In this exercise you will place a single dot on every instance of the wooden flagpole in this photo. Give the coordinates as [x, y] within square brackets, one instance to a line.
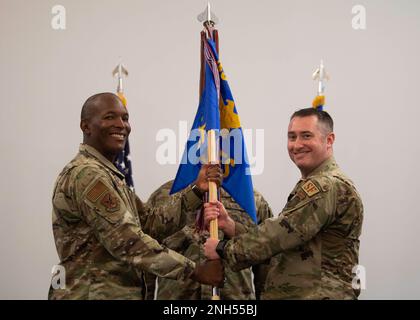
[212, 146]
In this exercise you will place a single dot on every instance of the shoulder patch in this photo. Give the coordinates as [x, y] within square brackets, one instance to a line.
[310, 188]
[110, 202]
[97, 190]
[301, 195]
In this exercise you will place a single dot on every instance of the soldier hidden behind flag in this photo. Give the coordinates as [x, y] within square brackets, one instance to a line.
[221, 116]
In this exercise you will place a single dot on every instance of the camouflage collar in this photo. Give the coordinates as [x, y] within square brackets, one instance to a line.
[84, 148]
[328, 165]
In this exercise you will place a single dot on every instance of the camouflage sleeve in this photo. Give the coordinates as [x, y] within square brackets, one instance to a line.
[118, 231]
[296, 224]
[240, 228]
[166, 214]
[260, 270]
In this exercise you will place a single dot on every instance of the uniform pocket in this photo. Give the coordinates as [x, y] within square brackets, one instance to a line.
[289, 209]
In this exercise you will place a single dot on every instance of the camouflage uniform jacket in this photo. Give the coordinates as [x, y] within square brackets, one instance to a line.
[314, 240]
[238, 285]
[99, 228]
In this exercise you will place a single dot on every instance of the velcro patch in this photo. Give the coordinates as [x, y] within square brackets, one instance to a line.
[97, 190]
[110, 202]
[301, 195]
[310, 188]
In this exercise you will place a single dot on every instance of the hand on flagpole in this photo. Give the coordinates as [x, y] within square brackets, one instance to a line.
[210, 272]
[209, 173]
[216, 210]
[210, 249]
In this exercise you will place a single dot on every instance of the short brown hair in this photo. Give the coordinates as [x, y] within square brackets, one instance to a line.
[323, 117]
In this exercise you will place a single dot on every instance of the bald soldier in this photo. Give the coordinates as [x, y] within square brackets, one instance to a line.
[100, 226]
[314, 241]
[239, 285]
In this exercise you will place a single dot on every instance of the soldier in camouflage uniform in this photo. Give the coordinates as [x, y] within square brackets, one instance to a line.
[99, 224]
[187, 241]
[314, 241]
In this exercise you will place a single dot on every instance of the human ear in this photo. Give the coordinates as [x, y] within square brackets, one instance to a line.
[330, 139]
[84, 125]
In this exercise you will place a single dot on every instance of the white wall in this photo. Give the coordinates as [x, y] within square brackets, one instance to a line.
[269, 50]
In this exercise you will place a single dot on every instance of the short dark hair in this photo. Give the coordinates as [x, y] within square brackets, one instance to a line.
[90, 104]
[323, 117]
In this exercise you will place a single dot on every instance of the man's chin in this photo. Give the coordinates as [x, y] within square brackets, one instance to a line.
[117, 149]
[302, 166]
[300, 163]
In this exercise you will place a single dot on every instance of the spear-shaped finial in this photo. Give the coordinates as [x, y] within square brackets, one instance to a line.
[119, 72]
[207, 16]
[321, 75]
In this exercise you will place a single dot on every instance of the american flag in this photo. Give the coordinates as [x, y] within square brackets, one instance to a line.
[123, 162]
